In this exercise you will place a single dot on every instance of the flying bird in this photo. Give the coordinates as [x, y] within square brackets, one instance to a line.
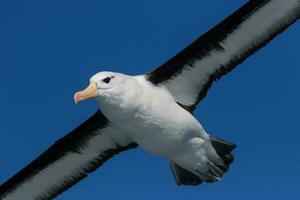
[155, 111]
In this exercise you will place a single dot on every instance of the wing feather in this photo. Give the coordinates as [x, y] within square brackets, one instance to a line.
[189, 74]
[67, 162]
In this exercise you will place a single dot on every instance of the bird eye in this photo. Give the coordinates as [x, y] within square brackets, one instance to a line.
[107, 79]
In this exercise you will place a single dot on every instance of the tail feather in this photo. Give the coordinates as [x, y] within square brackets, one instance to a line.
[222, 146]
[184, 177]
[223, 149]
[215, 172]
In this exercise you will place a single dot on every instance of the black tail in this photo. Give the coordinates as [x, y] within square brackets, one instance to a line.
[223, 149]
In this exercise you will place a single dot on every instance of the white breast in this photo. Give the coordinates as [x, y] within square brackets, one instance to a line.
[154, 120]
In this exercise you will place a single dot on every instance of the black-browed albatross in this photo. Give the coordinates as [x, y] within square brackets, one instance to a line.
[154, 110]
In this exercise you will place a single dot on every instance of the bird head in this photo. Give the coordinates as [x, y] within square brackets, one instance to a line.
[105, 86]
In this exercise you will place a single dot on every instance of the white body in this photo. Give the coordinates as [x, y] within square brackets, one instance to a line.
[159, 125]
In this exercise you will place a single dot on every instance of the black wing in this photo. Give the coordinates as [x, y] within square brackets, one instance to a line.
[67, 162]
[189, 74]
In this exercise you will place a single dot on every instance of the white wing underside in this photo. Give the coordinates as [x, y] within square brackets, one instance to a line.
[224, 47]
[68, 161]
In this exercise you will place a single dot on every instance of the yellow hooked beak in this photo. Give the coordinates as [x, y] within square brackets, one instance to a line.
[88, 93]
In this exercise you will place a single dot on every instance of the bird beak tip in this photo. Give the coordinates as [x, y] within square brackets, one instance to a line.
[76, 98]
[88, 93]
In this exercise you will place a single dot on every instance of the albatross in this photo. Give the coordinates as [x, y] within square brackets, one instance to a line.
[155, 110]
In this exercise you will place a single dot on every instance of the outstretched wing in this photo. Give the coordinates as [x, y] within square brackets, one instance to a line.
[67, 162]
[189, 74]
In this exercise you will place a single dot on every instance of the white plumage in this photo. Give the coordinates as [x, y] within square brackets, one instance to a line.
[159, 125]
[155, 110]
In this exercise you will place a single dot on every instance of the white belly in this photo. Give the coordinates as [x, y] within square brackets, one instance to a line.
[153, 119]
[159, 128]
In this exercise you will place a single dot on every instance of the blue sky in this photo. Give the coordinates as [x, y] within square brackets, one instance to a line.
[49, 49]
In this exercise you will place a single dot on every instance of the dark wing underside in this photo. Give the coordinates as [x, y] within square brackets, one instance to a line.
[67, 162]
[189, 74]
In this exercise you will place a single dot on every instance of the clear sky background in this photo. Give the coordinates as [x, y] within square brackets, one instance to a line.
[49, 50]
